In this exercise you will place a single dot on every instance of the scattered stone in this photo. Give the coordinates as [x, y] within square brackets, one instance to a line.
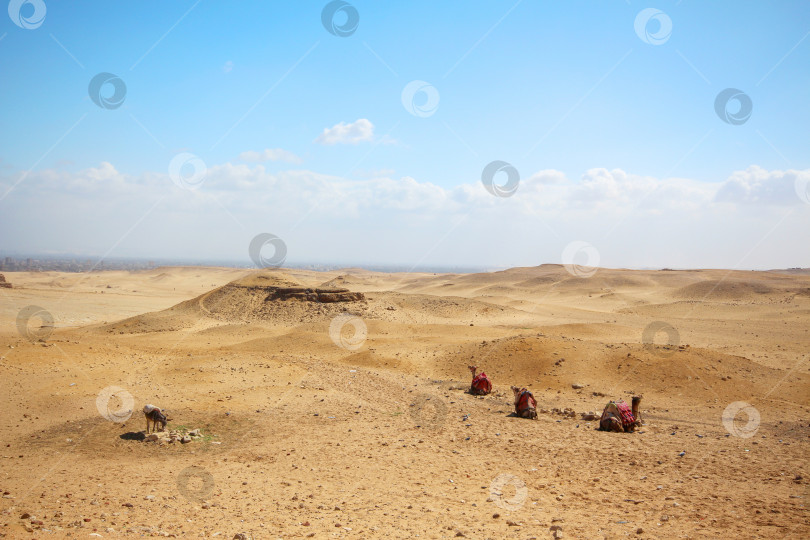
[577, 386]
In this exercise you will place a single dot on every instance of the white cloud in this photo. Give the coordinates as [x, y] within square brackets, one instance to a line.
[343, 133]
[755, 185]
[546, 176]
[227, 67]
[270, 154]
[632, 220]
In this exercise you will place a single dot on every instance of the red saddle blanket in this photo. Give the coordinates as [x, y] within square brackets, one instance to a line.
[526, 401]
[482, 383]
[625, 412]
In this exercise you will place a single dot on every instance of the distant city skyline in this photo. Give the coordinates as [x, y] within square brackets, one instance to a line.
[409, 135]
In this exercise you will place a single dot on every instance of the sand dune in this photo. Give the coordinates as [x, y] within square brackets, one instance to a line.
[362, 429]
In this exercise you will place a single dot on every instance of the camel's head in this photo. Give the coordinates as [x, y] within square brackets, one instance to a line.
[516, 391]
[473, 369]
[635, 405]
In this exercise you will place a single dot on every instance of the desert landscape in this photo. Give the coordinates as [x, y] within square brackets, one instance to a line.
[336, 405]
[413, 270]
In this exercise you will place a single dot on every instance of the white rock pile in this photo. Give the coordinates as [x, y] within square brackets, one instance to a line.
[173, 436]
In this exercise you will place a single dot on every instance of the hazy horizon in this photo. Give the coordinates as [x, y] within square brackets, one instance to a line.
[326, 266]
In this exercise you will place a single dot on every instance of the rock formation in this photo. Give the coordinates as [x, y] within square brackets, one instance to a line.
[324, 296]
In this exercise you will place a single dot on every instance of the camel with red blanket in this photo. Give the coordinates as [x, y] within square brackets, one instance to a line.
[619, 417]
[525, 404]
[481, 385]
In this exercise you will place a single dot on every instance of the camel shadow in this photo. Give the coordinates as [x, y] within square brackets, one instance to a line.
[133, 436]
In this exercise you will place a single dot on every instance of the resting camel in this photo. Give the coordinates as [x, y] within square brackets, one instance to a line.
[525, 404]
[619, 418]
[154, 416]
[481, 385]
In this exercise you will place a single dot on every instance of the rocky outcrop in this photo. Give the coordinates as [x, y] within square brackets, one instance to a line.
[3, 283]
[324, 296]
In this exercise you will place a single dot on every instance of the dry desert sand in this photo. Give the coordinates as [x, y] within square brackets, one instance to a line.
[312, 433]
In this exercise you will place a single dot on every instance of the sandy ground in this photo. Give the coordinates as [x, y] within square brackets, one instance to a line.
[351, 420]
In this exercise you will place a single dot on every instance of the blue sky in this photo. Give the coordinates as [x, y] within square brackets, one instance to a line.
[545, 86]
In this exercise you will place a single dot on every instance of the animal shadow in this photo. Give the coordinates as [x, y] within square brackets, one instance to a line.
[133, 436]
